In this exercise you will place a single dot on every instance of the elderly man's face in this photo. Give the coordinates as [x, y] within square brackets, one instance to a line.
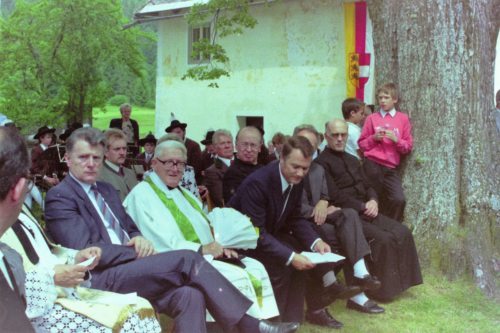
[248, 146]
[85, 161]
[224, 147]
[336, 136]
[169, 166]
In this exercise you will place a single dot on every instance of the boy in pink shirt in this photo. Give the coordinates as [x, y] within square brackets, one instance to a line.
[386, 135]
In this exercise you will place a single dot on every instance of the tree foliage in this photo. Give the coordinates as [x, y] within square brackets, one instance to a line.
[54, 55]
[226, 17]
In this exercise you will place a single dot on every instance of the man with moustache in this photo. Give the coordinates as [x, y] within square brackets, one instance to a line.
[114, 172]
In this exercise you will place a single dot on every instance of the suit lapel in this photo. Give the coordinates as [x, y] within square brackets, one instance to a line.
[91, 210]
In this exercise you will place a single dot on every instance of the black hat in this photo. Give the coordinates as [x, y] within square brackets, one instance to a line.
[149, 138]
[67, 132]
[174, 124]
[208, 138]
[43, 130]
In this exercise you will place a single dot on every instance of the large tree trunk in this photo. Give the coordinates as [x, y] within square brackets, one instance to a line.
[441, 54]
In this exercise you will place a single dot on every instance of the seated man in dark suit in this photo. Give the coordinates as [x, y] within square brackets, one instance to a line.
[81, 212]
[341, 227]
[129, 126]
[14, 170]
[248, 146]
[271, 198]
[214, 175]
[394, 259]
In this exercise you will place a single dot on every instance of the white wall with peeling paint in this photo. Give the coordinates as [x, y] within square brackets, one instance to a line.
[289, 69]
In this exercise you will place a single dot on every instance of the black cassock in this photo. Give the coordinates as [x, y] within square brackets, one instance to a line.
[394, 258]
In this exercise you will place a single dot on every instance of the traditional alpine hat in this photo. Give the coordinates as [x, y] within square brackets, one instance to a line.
[174, 123]
[43, 130]
[67, 132]
[208, 138]
[149, 138]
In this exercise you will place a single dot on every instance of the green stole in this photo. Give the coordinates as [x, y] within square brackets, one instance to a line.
[187, 229]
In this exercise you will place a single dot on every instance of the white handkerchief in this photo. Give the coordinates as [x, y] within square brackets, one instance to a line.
[318, 258]
[87, 262]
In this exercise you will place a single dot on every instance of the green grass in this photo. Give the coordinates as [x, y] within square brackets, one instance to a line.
[144, 116]
[436, 306]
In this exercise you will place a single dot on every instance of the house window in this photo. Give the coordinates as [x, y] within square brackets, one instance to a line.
[196, 34]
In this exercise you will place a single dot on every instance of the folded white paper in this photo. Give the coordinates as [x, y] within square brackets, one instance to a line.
[318, 258]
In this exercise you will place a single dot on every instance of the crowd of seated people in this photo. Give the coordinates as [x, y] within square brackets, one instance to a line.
[131, 234]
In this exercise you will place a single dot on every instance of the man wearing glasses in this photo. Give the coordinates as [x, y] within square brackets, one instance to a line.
[248, 143]
[82, 212]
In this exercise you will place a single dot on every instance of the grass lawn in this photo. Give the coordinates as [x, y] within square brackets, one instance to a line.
[435, 306]
[144, 116]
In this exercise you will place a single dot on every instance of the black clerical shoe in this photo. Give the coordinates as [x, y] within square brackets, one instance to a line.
[323, 318]
[367, 282]
[339, 291]
[270, 327]
[369, 307]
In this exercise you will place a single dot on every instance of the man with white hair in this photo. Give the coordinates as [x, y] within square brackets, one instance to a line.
[173, 219]
[214, 175]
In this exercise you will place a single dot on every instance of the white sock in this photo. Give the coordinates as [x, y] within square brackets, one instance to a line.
[360, 299]
[329, 279]
[360, 268]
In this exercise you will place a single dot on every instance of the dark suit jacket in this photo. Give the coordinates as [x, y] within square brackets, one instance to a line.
[37, 163]
[260, 198]
[12, 301]
[73, 221]
[315, 189]
[141, 158]
[117, 123]
[234, 176]
[346, 185]
[213, 181]
[194, 157]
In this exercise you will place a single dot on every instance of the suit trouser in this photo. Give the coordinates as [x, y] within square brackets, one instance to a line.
[387, 183]
[343, 231]
[292, 286]
[180, 284]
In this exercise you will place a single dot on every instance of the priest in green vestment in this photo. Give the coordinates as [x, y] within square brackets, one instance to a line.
[172, 219]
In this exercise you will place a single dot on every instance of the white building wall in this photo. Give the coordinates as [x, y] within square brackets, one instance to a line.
[290, 69]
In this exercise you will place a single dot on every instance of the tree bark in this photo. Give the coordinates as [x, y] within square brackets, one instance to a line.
[441, 54]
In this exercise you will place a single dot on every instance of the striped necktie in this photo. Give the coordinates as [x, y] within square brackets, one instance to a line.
[109, 217]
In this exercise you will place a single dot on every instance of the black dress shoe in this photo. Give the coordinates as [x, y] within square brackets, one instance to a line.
[337, 290]
[323, 318]
[369, 307]
[270, 327]
[368, 282]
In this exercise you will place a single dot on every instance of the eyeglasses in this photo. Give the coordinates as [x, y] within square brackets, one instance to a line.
[30, 182]
[169, 164]
[248, 145]
[335, 135]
